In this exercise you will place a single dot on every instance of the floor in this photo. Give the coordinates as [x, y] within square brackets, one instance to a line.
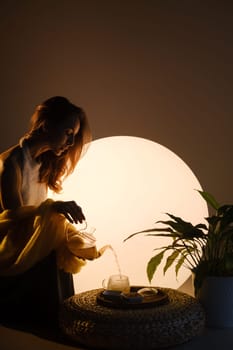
[13, 339]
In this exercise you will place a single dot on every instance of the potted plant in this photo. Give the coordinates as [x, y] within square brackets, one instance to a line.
[205, 249]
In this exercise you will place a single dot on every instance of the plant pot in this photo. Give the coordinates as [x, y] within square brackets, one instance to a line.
[216, 297]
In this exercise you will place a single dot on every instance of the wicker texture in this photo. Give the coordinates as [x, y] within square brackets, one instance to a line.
[100, 327]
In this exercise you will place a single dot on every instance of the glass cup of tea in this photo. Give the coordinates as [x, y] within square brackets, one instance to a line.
[117, 283]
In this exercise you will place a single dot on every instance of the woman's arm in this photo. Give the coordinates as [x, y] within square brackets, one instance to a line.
[11, 180]
[10, 193]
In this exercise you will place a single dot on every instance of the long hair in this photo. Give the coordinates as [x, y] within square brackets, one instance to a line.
[55, 168]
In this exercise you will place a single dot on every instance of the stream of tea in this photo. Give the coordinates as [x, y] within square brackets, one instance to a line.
[116, 259]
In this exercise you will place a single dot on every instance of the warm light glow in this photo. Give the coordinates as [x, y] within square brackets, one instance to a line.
[124, 184]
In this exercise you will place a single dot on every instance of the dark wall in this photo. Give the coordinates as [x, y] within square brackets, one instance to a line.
[161, 70]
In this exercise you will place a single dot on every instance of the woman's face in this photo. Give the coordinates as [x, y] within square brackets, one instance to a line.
[62, 135]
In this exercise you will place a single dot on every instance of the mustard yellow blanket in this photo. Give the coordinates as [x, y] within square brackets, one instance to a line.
[28, 234]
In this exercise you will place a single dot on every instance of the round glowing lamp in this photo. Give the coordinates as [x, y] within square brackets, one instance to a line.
[125, 184]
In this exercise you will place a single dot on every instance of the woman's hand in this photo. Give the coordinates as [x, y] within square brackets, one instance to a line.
[70, 210]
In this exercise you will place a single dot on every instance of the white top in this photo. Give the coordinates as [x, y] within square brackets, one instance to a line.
[33, 192]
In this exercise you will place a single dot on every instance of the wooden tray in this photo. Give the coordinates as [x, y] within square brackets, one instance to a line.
[120, 302]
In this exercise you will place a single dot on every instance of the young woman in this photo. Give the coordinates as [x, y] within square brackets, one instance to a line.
[39, 246]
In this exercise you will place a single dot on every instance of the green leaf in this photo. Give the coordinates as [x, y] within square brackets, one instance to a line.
[147, 231]
[226, 214]
[183, 228]
[170, 260]
[209, 198]
[153, 264]
[172, 234]
[179, 264]
[202, 226]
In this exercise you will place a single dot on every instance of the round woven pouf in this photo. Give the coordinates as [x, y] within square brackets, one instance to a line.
[98, 326]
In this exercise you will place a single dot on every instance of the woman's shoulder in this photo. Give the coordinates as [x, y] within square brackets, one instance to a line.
[12, 156]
